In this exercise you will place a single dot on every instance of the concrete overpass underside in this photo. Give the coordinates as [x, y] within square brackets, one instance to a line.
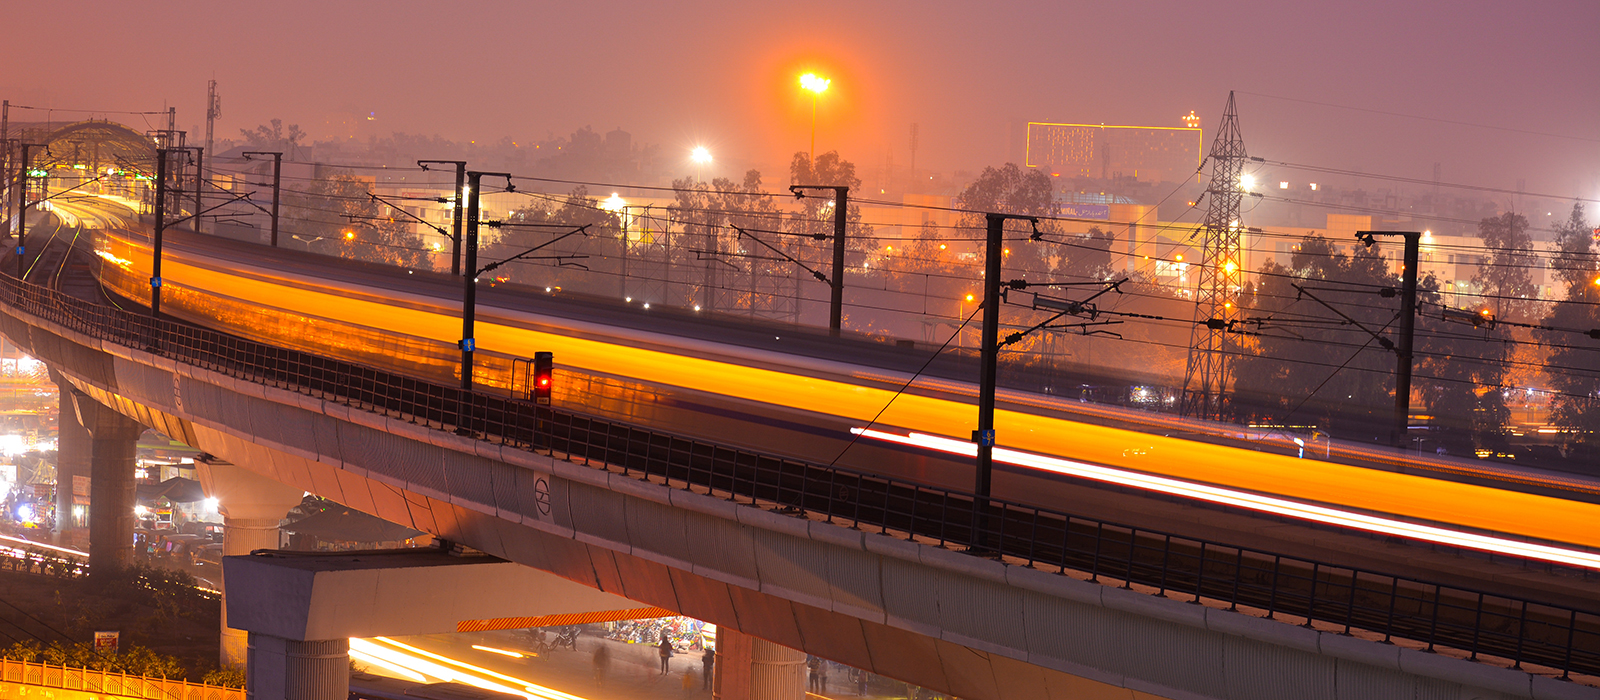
[967, 626]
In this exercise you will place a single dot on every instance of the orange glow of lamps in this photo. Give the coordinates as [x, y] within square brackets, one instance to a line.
[817, 86]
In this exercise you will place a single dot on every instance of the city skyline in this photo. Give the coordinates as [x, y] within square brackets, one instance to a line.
[1321, 86]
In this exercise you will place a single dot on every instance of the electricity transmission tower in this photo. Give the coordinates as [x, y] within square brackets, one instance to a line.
[1217, 278]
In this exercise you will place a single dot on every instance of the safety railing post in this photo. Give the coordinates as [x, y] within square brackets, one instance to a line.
[1350, 612]
[1394, 597]
[1433, 624]
[1311, 605]
[1566, 665]
[911, 530]
[1166, 563]
[833, 493]
[1272, 599]
[1200, 573]
[1522, 633]
[1477, 627]
[1033, 538]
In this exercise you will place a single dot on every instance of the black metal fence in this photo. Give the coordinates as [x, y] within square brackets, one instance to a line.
[1274, 585]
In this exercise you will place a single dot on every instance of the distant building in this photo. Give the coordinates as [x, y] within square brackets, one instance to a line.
[1145, 153]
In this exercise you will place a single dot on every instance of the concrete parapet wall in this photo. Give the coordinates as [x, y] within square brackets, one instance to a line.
[968, 626]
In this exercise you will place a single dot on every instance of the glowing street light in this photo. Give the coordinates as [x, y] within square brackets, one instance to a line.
[1247, 182]
[817, 86]
[700, 156]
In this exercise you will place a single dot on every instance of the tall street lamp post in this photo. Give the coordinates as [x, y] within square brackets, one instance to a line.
[701, 157]
[817, 86]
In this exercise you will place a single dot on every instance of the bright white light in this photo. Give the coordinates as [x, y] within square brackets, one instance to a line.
[501, 652]
[628, 299]
[1247, 182]
[1247, 500]
[811, 82]
[1283, 185]
[211, 505]
[696, 307]
[25, 513]
[700, 155]
[141, 511]
[31, 543]
[529, 690]
[366, 658]
[415, 665]
[647, 305]
[614, 203]
[12, 445]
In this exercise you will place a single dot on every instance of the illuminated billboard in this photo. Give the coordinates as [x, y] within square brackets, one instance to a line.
[1146, 153]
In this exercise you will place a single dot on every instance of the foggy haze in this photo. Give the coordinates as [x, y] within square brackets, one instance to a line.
[971, 75]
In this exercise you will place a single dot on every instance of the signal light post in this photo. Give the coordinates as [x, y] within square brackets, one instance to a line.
[543, 377]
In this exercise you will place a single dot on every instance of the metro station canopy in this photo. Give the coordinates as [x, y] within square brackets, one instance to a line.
[94, 145]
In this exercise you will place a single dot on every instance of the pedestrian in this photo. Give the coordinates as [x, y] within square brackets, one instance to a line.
[666, 651]
[861, 682]
[822, 677]
[707, 661]
[811, 676]
[602, 663]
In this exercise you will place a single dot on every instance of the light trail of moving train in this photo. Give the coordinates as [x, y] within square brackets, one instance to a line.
[843, 396]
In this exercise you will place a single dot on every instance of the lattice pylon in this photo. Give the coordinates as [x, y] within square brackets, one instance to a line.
[1217, 278]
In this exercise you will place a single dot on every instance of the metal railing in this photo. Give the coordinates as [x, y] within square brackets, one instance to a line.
[111, 683]
[1274, 585]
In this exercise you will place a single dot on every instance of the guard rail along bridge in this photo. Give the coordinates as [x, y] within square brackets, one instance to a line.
[980, 598]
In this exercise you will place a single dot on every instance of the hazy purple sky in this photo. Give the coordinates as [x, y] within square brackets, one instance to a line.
[723, 74]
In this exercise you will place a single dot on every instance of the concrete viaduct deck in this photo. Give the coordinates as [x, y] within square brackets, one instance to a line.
[880, 598]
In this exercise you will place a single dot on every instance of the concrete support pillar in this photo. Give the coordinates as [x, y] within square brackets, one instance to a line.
[754, 668]
[74, 446]
[285, 669]
[252, 506]
[243, 536]
[113, 447]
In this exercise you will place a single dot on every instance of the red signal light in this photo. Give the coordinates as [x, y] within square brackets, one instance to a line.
[543, 373]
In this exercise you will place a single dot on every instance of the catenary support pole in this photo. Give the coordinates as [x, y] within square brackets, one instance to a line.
[469, 290]
[277, 182]
[457, 198]
[160, 227]
[469, 283]
[22, 209]
[841, 218]
[989, 353]
[199, 179]
[1408, 325]
[841, 209]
